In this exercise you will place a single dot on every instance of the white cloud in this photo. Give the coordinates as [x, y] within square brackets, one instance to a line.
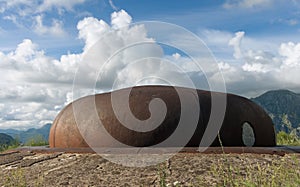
[224, 66]
[111, 3]
[176, 56]
[27, 7]
[255, 67]
[13, 19]
[91, 29]
[56, 29]
[112, 41]
[120, 19]
[23, 12]
[60, 5]
[6, 5]
[260, 61]
[291, 52]
[13, 3]
[35, 87]
[290, 67]
[235, 43]
[39, 85]
[247, 3]
[258, 65]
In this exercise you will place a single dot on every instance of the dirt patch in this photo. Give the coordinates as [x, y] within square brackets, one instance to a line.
[184, 169]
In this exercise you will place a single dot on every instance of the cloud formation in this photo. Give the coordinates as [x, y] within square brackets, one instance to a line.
[56, 29]
[35, 84]
[25, 7]
[236, 42]
[111, 3]
[35, 87]
[29, 14]
[246, 3]
[58, 4]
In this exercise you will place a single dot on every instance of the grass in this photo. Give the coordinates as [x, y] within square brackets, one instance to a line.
[17, 178]
[241, 170]
[283, 171]
[284, 138]
[162, 175]
[275, 173]
[280, 171]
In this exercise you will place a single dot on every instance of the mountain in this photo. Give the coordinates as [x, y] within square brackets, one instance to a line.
[25, 136]
[5, 139]
[283, 106]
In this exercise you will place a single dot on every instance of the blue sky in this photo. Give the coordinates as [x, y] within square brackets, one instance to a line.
[255, 43]
[266, 19]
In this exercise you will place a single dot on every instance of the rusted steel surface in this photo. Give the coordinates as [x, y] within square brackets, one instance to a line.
[85, 113]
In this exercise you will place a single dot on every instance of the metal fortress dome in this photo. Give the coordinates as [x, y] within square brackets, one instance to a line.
[245, 123]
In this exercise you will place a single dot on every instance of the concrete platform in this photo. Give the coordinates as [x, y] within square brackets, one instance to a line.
[278, 150]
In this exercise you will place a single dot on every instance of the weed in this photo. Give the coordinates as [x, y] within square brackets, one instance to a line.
[277, 172]
[16, 178]
[162, 175]
[284, 138]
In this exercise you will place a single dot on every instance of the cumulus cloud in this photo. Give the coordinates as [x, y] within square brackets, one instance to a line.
[39, 85]
[120, 19]
[258, 71]
[290, 67]
[260, 61]
[35, 87]
[115, 55]
[111, 48]
[91, 29]
[291, 52]
[235, 43]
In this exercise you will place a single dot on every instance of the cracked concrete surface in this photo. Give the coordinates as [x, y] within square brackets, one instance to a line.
[74, 169]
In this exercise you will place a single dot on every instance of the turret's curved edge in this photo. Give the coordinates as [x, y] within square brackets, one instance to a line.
[245, 123]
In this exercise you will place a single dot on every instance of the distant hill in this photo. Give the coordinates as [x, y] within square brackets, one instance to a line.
[283, 106]
[5, 139]
[24, 136]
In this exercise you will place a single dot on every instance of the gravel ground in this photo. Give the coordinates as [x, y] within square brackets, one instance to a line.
[183, 169]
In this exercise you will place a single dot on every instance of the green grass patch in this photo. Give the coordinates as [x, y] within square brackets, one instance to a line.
[284, 138]
[281, 172]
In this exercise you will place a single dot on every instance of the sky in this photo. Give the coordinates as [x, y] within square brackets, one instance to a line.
[54, 51]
